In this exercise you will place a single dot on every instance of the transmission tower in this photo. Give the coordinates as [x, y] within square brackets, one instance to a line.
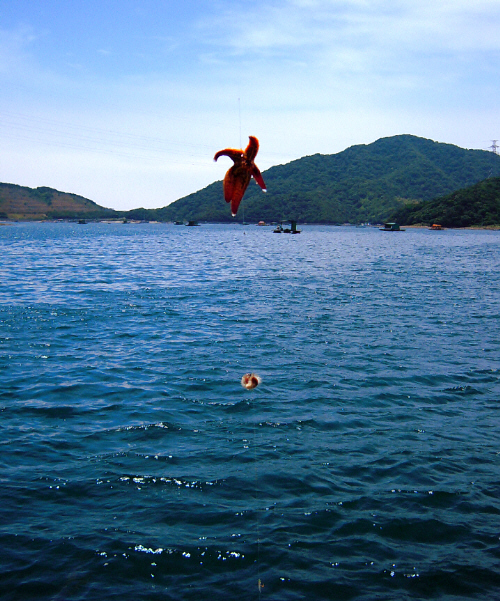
[494, 146]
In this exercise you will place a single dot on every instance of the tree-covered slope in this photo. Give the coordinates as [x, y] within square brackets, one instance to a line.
[21, 202]
[362, 183]
[475, 205]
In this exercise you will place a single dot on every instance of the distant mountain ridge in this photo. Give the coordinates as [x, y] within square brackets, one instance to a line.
[21, 202]
[361, 183]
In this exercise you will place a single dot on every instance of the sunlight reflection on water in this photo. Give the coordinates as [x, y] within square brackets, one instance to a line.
[365, 464]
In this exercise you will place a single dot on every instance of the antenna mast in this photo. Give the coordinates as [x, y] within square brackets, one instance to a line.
[494, 146]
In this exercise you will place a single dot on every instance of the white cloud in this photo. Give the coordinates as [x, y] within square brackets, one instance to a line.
[316, 26]
[13, 48]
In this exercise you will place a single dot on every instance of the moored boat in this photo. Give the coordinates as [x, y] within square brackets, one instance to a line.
[293, 228]
[390, 227]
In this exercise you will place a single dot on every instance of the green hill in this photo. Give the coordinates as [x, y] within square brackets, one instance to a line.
[475, 205]
[21, 202]
[362, 183]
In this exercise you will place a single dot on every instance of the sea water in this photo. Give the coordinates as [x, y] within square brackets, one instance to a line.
[135, 466]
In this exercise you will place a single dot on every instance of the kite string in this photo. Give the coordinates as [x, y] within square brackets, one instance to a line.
[260, 586]
[241, 146]
[239, 116]
[257, 501]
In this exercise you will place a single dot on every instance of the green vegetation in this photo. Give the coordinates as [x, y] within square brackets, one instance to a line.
[477, 205]
[372, 182]
[362, 183]
[21, 202]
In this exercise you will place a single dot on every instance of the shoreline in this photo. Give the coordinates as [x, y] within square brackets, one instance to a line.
[469, 227]
[120, 220]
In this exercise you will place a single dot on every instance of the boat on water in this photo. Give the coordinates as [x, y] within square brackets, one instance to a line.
[192, 223]
[287, 230]
[293, 228]
[390, 227]
[436, 226]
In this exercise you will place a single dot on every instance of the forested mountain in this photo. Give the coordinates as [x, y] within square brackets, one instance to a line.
[21, 202]
[362, 183]
[476, 205]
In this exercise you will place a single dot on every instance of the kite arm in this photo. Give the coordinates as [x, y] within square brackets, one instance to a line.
[233, 153]
[252, 149]
[258, 178]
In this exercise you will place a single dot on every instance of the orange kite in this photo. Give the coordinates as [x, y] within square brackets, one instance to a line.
[238, 177]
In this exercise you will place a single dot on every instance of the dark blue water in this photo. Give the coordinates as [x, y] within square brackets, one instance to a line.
[134, 465]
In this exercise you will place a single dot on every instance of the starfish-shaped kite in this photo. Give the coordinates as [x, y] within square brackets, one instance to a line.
[238, 177]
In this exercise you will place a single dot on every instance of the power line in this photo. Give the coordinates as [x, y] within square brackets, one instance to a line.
[120, 143]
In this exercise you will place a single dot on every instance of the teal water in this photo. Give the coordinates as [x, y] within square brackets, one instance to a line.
[133, 465]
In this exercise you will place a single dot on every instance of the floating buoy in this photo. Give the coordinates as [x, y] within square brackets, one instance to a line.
[250, 381]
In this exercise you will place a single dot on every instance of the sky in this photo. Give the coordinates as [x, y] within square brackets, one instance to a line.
[125, 102]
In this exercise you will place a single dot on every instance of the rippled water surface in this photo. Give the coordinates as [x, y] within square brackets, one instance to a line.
[135, 466]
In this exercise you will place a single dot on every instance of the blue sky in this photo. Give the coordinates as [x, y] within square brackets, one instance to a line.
[125, 102]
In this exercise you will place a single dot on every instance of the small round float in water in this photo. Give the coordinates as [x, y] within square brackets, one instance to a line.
[250, 381]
